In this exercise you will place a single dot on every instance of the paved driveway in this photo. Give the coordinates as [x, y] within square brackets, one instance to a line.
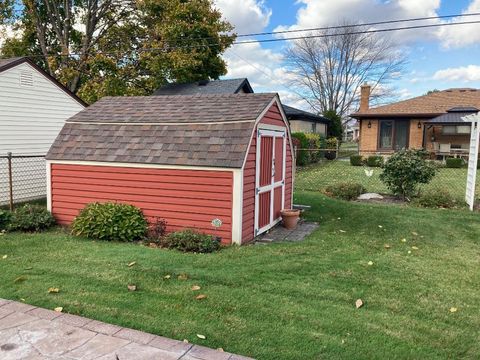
[32, 333]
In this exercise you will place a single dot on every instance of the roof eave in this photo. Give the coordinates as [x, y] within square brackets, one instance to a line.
[47, 75]
[361, 116]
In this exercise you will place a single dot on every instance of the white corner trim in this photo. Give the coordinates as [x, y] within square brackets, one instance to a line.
[237, 207]
[138, 165]
[49, 186]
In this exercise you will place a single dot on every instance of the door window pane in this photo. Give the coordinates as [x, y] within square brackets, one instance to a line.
[401, 135]
[386, 132]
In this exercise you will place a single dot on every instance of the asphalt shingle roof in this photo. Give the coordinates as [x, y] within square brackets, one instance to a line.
[435, 103]
[294, 113]
[226, 86]
[6, 62]
[201, 130]
[454, 115]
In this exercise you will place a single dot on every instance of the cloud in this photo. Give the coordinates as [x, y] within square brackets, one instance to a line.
[461, 35]
[319, 13]
[464, 74]
[247, 16]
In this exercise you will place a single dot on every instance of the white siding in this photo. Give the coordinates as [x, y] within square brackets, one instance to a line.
[33, 109]
[31, 116]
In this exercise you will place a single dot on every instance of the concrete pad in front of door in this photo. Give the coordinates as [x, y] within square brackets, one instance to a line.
[31, 333]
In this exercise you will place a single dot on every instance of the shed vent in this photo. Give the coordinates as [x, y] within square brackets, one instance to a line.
[26, 78]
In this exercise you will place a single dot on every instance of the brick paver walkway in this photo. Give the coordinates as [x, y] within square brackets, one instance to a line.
[279, 233]
[32, 333]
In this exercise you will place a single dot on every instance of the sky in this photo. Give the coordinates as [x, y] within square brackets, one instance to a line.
[438, 58]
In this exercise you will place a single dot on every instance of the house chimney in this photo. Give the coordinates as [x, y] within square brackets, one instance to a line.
[364, 97]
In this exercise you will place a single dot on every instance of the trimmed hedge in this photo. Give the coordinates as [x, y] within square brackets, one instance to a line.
[455, 163]
[356, 160]
[375, 161]
[345, 191]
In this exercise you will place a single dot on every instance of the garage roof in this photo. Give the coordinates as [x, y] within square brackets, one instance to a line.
[200, 130]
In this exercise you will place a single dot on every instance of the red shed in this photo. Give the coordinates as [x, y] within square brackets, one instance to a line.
[186, 159]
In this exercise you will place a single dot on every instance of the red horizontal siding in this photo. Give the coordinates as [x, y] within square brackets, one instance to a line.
[272, 117]
[184, 198]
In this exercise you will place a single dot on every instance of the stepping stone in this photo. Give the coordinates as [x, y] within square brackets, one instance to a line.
[370, 196]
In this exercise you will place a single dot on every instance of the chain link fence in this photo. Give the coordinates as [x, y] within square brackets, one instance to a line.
[323, 173]
[22, 178]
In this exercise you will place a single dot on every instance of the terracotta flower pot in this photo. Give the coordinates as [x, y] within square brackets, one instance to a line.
[290, 218]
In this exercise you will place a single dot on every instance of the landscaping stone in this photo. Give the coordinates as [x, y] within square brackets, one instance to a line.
[28, 332]
[370, 196]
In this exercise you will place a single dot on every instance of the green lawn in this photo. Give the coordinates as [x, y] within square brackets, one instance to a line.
[280, 301]
[318, 176]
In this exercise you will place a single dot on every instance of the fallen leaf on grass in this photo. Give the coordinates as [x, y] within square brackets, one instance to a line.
[200, 336]
[20, 279]
[182, 277]
[414, 248]
[409, 251]
[201, 297]
[342, 231]
[220, 349]
[358, 303]
[386, 246]
[58, 309]
[22, 299]
[167, 277]
[185, 341]
[53, 290]
[29, 268]
[4, 256]
[195, 287]
[131, 264]
[132, 287]
[370, 263]
[403, 240]
[453, 309]
[414, 233]
[380, 226]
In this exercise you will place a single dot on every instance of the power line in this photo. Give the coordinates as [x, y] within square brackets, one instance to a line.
[356, 32]
[359, 25]
[167, 48]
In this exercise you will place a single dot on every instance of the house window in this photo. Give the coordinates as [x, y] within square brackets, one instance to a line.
[314, 127]
[455, 129]
[393, 135]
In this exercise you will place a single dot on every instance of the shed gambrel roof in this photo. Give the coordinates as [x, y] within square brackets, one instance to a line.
[200, 130]
[225, 86]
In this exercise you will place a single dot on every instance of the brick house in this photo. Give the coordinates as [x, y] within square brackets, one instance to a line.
[433, 122]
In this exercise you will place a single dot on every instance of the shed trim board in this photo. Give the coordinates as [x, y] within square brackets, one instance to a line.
[236, 228]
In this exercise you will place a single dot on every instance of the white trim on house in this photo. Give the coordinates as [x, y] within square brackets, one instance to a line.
[49, 186]
[139, 165]
[237, 207]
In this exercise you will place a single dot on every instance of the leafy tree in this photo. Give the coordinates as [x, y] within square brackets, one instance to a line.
[405, 170]
[118, 47]
[335, 128]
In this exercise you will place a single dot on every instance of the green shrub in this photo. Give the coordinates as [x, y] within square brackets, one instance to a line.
[375, 161]
[345, 191]
[5, 218]
[300, 141]
[405, 170]
[191, 241]
[331, 143]
[31, 218]
[438, 198]
[110, 221]
[454, 163]
[356, 160]
[315, 141]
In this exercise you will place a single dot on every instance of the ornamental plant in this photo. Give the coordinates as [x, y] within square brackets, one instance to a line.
[110, 221]
[405, 170]
[31, 218]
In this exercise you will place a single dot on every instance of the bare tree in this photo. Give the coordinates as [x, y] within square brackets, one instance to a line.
[329, 67]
